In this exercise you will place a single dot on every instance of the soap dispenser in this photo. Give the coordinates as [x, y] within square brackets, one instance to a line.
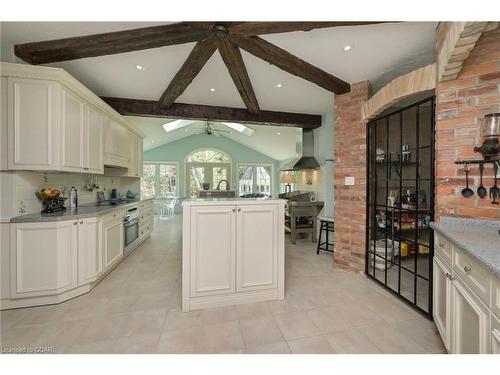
[73, 199]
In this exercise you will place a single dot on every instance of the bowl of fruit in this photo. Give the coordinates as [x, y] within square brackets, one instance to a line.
[48, 193]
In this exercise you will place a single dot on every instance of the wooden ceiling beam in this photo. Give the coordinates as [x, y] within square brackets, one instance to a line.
[150, 108]
[189, 70]
[289, 63]
[261, 28]
[231, 56]
[110, 43]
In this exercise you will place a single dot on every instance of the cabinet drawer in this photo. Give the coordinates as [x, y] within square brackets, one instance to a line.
[443, 248]
[495, 295]
[495, 335]
[474, 275]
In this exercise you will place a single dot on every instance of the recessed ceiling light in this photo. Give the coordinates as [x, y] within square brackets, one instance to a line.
[278, 133]
[212, 89]
[139, 67]
[279, 85]
[347, 48]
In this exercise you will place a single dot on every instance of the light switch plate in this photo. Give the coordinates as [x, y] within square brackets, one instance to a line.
[349, 181]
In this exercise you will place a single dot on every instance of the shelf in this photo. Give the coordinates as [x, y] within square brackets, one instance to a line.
[478, 161]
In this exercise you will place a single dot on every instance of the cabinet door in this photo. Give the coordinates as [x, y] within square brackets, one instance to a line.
[73, 133]
[442, 300]
[212, 250]
[133, 155]
[113, 242]
[33, 124]
[140, 156]
[94, 150]
[90, 256]
[495, 335]
[470, 322]
[43, 258]
[257, 247]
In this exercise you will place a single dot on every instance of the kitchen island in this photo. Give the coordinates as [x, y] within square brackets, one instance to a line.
[232, 251]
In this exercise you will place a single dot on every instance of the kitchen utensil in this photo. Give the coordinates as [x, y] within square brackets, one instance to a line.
[466, 191]
[495, 190]
[481, 190]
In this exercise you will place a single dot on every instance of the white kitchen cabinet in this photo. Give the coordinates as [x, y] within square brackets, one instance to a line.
[94, 145]
[257, 247]
[90, 250]
[3, 123]
[116, 144]
[33, 124]
[213, 240]
[43, 258]
[73, 132]
[495, 335]
[135, 163]
[470, 321]
[113, 240]
[233, 252]
[442, 299]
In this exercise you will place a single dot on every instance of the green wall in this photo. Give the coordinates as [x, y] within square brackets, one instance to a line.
[178, 150]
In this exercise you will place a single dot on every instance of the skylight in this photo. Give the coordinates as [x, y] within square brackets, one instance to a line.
[239, 128]
[176, 124]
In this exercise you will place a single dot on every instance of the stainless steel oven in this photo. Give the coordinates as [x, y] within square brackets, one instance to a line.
[131, 229]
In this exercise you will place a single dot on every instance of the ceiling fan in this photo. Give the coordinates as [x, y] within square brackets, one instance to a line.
[227, 37]
[209, 127]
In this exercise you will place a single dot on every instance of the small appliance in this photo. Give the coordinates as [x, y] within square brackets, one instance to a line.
[131, 229]
[114, 196]
[490, 132]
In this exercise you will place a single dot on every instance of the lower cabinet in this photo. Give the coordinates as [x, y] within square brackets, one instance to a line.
[213, 240]
[442, 299]
[90, 254]
[463, 307]
[470, 322]
[113, 240]
[43, 258]
[256, 247]
[232, 253]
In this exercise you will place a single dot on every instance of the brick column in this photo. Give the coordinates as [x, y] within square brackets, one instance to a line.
[460, 104]
[350, 160]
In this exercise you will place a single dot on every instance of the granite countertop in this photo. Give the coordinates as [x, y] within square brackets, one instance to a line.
[226, 201]
[479, 238]
[82, 212]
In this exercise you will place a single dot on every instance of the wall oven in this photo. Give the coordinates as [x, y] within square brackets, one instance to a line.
[131, 229]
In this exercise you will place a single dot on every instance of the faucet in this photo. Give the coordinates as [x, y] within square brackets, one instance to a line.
[227, 185]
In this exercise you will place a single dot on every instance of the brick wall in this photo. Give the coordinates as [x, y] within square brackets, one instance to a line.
[350, 160]
[460, 103]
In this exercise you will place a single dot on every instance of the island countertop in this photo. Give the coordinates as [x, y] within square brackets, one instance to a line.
[82, 212]
[229, 201]
[480, 238]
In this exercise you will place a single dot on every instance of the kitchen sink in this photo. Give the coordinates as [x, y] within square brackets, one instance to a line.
[216, 194]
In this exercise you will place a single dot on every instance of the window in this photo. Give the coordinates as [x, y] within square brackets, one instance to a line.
[207, 167]
[159, 179]
[255, 179]
[293, 185]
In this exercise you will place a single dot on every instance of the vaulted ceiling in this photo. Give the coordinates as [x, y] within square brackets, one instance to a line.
[379, 53]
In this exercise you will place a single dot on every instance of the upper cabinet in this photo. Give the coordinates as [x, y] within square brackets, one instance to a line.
[116, 144]
[33, 108]
[51, 122]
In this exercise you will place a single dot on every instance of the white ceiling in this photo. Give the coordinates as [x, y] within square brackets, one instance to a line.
[265, 139]
[379, 54]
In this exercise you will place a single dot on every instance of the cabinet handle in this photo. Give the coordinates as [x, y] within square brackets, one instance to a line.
[467, 269]
[76, 222]
[239, 209]
[81, 222]
[234, 209]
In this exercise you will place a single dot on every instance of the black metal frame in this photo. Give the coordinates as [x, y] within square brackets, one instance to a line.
[373, 207]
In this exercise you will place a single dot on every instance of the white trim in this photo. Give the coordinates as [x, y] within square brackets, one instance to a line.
[255, 165]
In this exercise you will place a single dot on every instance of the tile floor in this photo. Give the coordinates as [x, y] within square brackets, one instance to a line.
[136, 309]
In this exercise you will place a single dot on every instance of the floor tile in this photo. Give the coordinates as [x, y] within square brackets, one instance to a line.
[296, 325]
[260, 331]
[311, 345]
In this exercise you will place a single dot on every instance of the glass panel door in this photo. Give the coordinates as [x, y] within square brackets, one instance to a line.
[400, 206]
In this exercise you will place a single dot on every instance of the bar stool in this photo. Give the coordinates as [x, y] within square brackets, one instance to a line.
[327, 225]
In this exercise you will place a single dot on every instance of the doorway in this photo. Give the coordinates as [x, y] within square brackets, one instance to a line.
[400, 203]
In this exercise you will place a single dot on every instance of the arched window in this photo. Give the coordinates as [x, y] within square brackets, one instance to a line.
[206, 168]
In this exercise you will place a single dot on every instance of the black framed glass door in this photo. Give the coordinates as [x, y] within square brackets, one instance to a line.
[400, 203]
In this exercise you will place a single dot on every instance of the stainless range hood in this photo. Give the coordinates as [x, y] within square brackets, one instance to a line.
[307, 161]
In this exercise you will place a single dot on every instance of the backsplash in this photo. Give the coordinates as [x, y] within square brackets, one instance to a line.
[25, 183]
